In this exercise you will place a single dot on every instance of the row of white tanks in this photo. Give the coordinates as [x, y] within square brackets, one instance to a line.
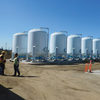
[35, 45]
[73, 45]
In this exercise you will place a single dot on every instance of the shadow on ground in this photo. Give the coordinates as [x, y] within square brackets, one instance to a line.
[22, 76]
[6, 94]
[29, 76]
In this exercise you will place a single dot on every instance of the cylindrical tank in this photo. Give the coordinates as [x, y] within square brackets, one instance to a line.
[19, 45]
[74, 45]
[58, 44]
[96, 48]
[86, 47]
[37, 44]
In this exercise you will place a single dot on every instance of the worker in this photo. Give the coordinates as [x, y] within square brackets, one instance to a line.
[3, 61]
[16, 65]
[1, 64]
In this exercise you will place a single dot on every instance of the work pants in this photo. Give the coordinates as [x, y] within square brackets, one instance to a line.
[16, 70]
[2, 67]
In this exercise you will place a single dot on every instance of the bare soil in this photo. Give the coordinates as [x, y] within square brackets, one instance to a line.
[50, 82]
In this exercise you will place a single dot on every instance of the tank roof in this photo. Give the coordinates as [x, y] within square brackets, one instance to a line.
[19, 34]
[33, 30]
[74, 35]
[86, 38]
[58, 33]
[97, 39]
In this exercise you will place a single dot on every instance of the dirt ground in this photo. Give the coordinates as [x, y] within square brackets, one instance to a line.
[50, 82]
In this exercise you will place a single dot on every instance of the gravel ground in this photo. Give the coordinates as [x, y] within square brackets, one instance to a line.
[50, 82]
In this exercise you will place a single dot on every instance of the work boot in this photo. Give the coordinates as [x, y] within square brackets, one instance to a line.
[14, 75]
[19, 75]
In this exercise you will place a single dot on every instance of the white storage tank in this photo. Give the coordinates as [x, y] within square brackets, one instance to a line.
[58, 44]
[19, 45]
[74, 45]
[87, 46]
[37, 44]
[96, 48]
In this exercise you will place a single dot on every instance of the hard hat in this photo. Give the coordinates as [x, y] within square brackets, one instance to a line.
[3, 52]
[1, 55]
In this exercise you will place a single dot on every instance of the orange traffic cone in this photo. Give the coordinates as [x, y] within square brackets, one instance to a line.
[90, 66]
[90, 61]
[86, 67]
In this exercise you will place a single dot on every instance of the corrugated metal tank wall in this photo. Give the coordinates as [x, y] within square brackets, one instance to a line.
[96, 47]
[74, 45]
[58, 44]
[19, 44]
[86, 46]
[37, 43]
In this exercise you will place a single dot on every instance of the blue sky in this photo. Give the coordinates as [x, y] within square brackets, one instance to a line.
[74, 16]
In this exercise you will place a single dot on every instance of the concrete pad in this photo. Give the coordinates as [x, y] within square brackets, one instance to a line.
[97, 72]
